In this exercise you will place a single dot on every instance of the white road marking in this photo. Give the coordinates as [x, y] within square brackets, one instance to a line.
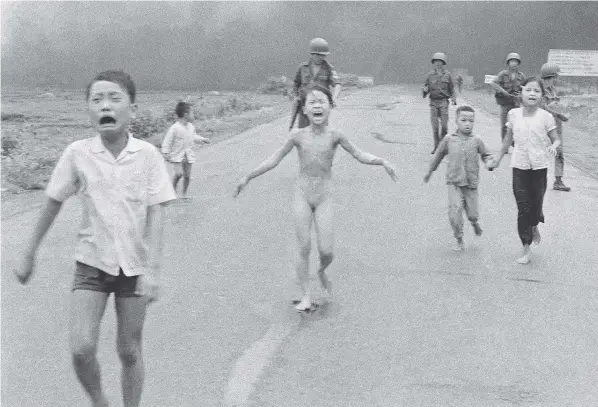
[250, 366]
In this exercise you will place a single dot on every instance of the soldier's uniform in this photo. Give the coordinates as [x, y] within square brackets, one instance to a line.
[551, 101]
[439, 86]
[325, 76]
[509, 80]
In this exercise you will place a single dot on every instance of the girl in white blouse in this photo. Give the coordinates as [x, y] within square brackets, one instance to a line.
[535, 135]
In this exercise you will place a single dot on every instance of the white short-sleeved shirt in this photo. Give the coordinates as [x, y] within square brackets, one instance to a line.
[178, 143]
[115, 193]
[530, 134]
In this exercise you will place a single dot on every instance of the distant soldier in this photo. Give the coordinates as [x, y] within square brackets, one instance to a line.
[460, 82]
[315, 71]
[550, 103]
[439, 85]
[507, 85]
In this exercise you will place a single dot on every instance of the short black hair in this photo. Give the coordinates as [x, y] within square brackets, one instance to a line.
[314, 87]
[182, 108]
[121, 78]
[464, 109]
[534, 79]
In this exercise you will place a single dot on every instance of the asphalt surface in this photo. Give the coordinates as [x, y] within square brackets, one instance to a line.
[412, 323]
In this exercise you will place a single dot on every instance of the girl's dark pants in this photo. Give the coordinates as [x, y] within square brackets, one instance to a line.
[529, 187]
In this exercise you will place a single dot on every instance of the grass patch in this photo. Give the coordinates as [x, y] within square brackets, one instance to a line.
[9, 144]
[29, 172]
[13, 117]
[34, 138]
[276, 85]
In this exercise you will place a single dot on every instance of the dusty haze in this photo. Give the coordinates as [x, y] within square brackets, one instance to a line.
[218, 45]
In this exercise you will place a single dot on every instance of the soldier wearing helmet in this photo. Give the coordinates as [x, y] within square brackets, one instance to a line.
[507, 85]
[550, 102]
[439, 85]
[315, 71]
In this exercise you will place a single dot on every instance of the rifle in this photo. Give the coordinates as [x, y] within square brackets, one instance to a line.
[295, 110]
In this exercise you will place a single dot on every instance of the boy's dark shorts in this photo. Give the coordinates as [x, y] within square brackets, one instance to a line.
[93, 279]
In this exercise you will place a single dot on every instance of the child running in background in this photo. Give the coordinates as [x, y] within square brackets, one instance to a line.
[462, 173]
[177, 146]
[316, 146]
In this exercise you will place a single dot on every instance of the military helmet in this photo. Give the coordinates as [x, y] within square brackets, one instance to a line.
[549, 69]
[439, 56]
[319, 46]
[513, 55]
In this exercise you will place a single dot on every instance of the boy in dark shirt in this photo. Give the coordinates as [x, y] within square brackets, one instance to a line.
[462, 173]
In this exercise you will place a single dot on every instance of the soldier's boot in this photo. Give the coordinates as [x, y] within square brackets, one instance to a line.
[560, 186]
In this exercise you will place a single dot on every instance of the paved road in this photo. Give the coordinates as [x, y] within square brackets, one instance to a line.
[413, 324]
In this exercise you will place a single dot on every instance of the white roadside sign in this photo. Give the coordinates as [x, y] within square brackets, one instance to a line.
[489, 79]
[575, 62]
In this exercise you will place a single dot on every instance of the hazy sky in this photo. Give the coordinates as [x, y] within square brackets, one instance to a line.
[212, 45]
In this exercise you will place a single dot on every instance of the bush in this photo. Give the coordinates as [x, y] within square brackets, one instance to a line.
[348, 80]
[14, 117]
[145, 125]
[234, 105]
[29, 172]
[276, 85]
[9, 144]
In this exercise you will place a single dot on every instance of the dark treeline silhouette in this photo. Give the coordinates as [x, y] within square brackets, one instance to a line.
[227, 45]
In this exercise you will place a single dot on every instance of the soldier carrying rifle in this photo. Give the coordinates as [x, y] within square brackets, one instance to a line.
[315, 71]
[507, 85]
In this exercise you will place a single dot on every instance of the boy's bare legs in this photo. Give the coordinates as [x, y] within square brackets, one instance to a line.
[455, 213]
[303, 220]
[186, 177]
[130, 313]
[178, 174]
[325, 236]
[471, 209]
[87, 309]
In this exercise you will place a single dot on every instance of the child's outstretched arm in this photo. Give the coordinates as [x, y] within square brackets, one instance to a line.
[441, 151]
[199, 139]
[487, 157]
[505, 148]
[366, 158]
[266, 166]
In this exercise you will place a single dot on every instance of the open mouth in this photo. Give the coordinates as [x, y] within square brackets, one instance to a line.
[107, 120]
[318, 114]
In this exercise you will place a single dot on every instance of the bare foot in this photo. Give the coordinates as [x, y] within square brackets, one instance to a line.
[304, 304]
[477, 229]
[524, 259]
[326, 284]
[536, 238]
[328, 294]
[459, 245]
[102, 403]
